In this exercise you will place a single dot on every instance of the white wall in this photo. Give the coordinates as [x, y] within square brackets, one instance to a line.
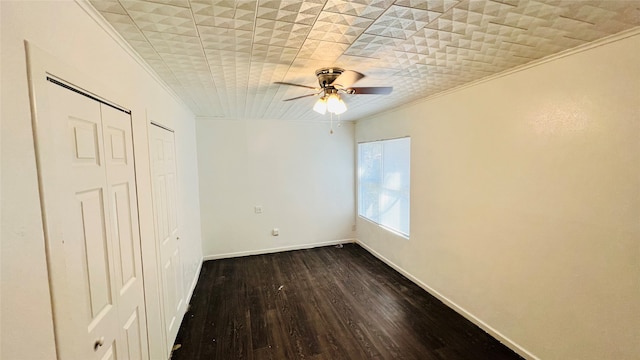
[64, 30]
[526, 202]
[301, 175]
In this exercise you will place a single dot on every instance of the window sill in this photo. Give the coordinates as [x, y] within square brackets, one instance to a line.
[392, 231]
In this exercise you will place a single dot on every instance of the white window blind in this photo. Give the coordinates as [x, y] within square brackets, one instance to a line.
[383, 183]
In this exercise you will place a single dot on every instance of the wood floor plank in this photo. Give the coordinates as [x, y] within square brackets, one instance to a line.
[323, 303]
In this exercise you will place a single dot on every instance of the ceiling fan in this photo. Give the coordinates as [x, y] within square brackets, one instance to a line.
[333, 81]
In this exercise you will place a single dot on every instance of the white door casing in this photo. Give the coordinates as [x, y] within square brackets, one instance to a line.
[164, 178]
[89, 204]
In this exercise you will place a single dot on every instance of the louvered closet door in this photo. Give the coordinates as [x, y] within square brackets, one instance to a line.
[85, 158]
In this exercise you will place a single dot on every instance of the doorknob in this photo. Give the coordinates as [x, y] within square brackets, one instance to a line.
[177, 237]
[98, 344]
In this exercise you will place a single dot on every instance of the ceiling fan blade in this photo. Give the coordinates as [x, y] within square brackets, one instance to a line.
[346, 79]
[381, 90]
[292, 84]
[300, 97]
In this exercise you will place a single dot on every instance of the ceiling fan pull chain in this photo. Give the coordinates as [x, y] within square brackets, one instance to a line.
[331, 122]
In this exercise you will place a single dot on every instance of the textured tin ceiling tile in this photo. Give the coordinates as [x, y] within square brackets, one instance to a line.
[340, 28]
[488, 8]
[360, 64]
[108, 6]
[263, 75]
[432, 5]
[174, 43]
[302, 71]
[373, 46]
[280, 33]
[321, 50]
[225, 39]
[123, 24]
[225, 66]
[368, 9]
[229, 80]
[401, 22]
[273, 54]
[238, 14]
[293, 11]
[145, 49]
[228, 59]
[208, 102]
[184, 66]
[408, 58]
[157, 17]
[162, 70]
[180, 3]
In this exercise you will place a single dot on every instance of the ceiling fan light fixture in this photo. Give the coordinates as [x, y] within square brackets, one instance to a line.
[342, 107]
[332, 102]
[335, 104]
[320, 106]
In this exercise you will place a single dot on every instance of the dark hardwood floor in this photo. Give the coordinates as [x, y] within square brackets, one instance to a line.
[322, 303]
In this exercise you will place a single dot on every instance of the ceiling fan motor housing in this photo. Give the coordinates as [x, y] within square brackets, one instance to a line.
[326, 76]
[333, 80]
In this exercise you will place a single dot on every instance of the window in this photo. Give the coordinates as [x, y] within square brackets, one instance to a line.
[383, 183]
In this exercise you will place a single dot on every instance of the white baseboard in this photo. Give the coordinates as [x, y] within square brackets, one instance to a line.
[460, 310]
[278, 249]
[194, 282]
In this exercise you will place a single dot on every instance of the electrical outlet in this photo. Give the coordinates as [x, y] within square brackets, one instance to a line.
[353, 227]
[275, 232]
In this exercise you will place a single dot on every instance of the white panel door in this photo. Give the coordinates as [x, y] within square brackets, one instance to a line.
[90, 215]
[123, 203]
[163, 167]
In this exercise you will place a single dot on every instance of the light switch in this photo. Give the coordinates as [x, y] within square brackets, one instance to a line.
[258, 209]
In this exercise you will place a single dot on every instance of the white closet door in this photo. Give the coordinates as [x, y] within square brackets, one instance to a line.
[90, 215]
[123, 203]
[166, 220]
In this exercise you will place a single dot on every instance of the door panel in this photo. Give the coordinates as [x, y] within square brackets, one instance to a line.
[166, 220]
[85, 163]
[170, 293]
[126, 236]
[94, 248]
[133, 337]
[110, 353]
[85, 141]
[123, 235]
